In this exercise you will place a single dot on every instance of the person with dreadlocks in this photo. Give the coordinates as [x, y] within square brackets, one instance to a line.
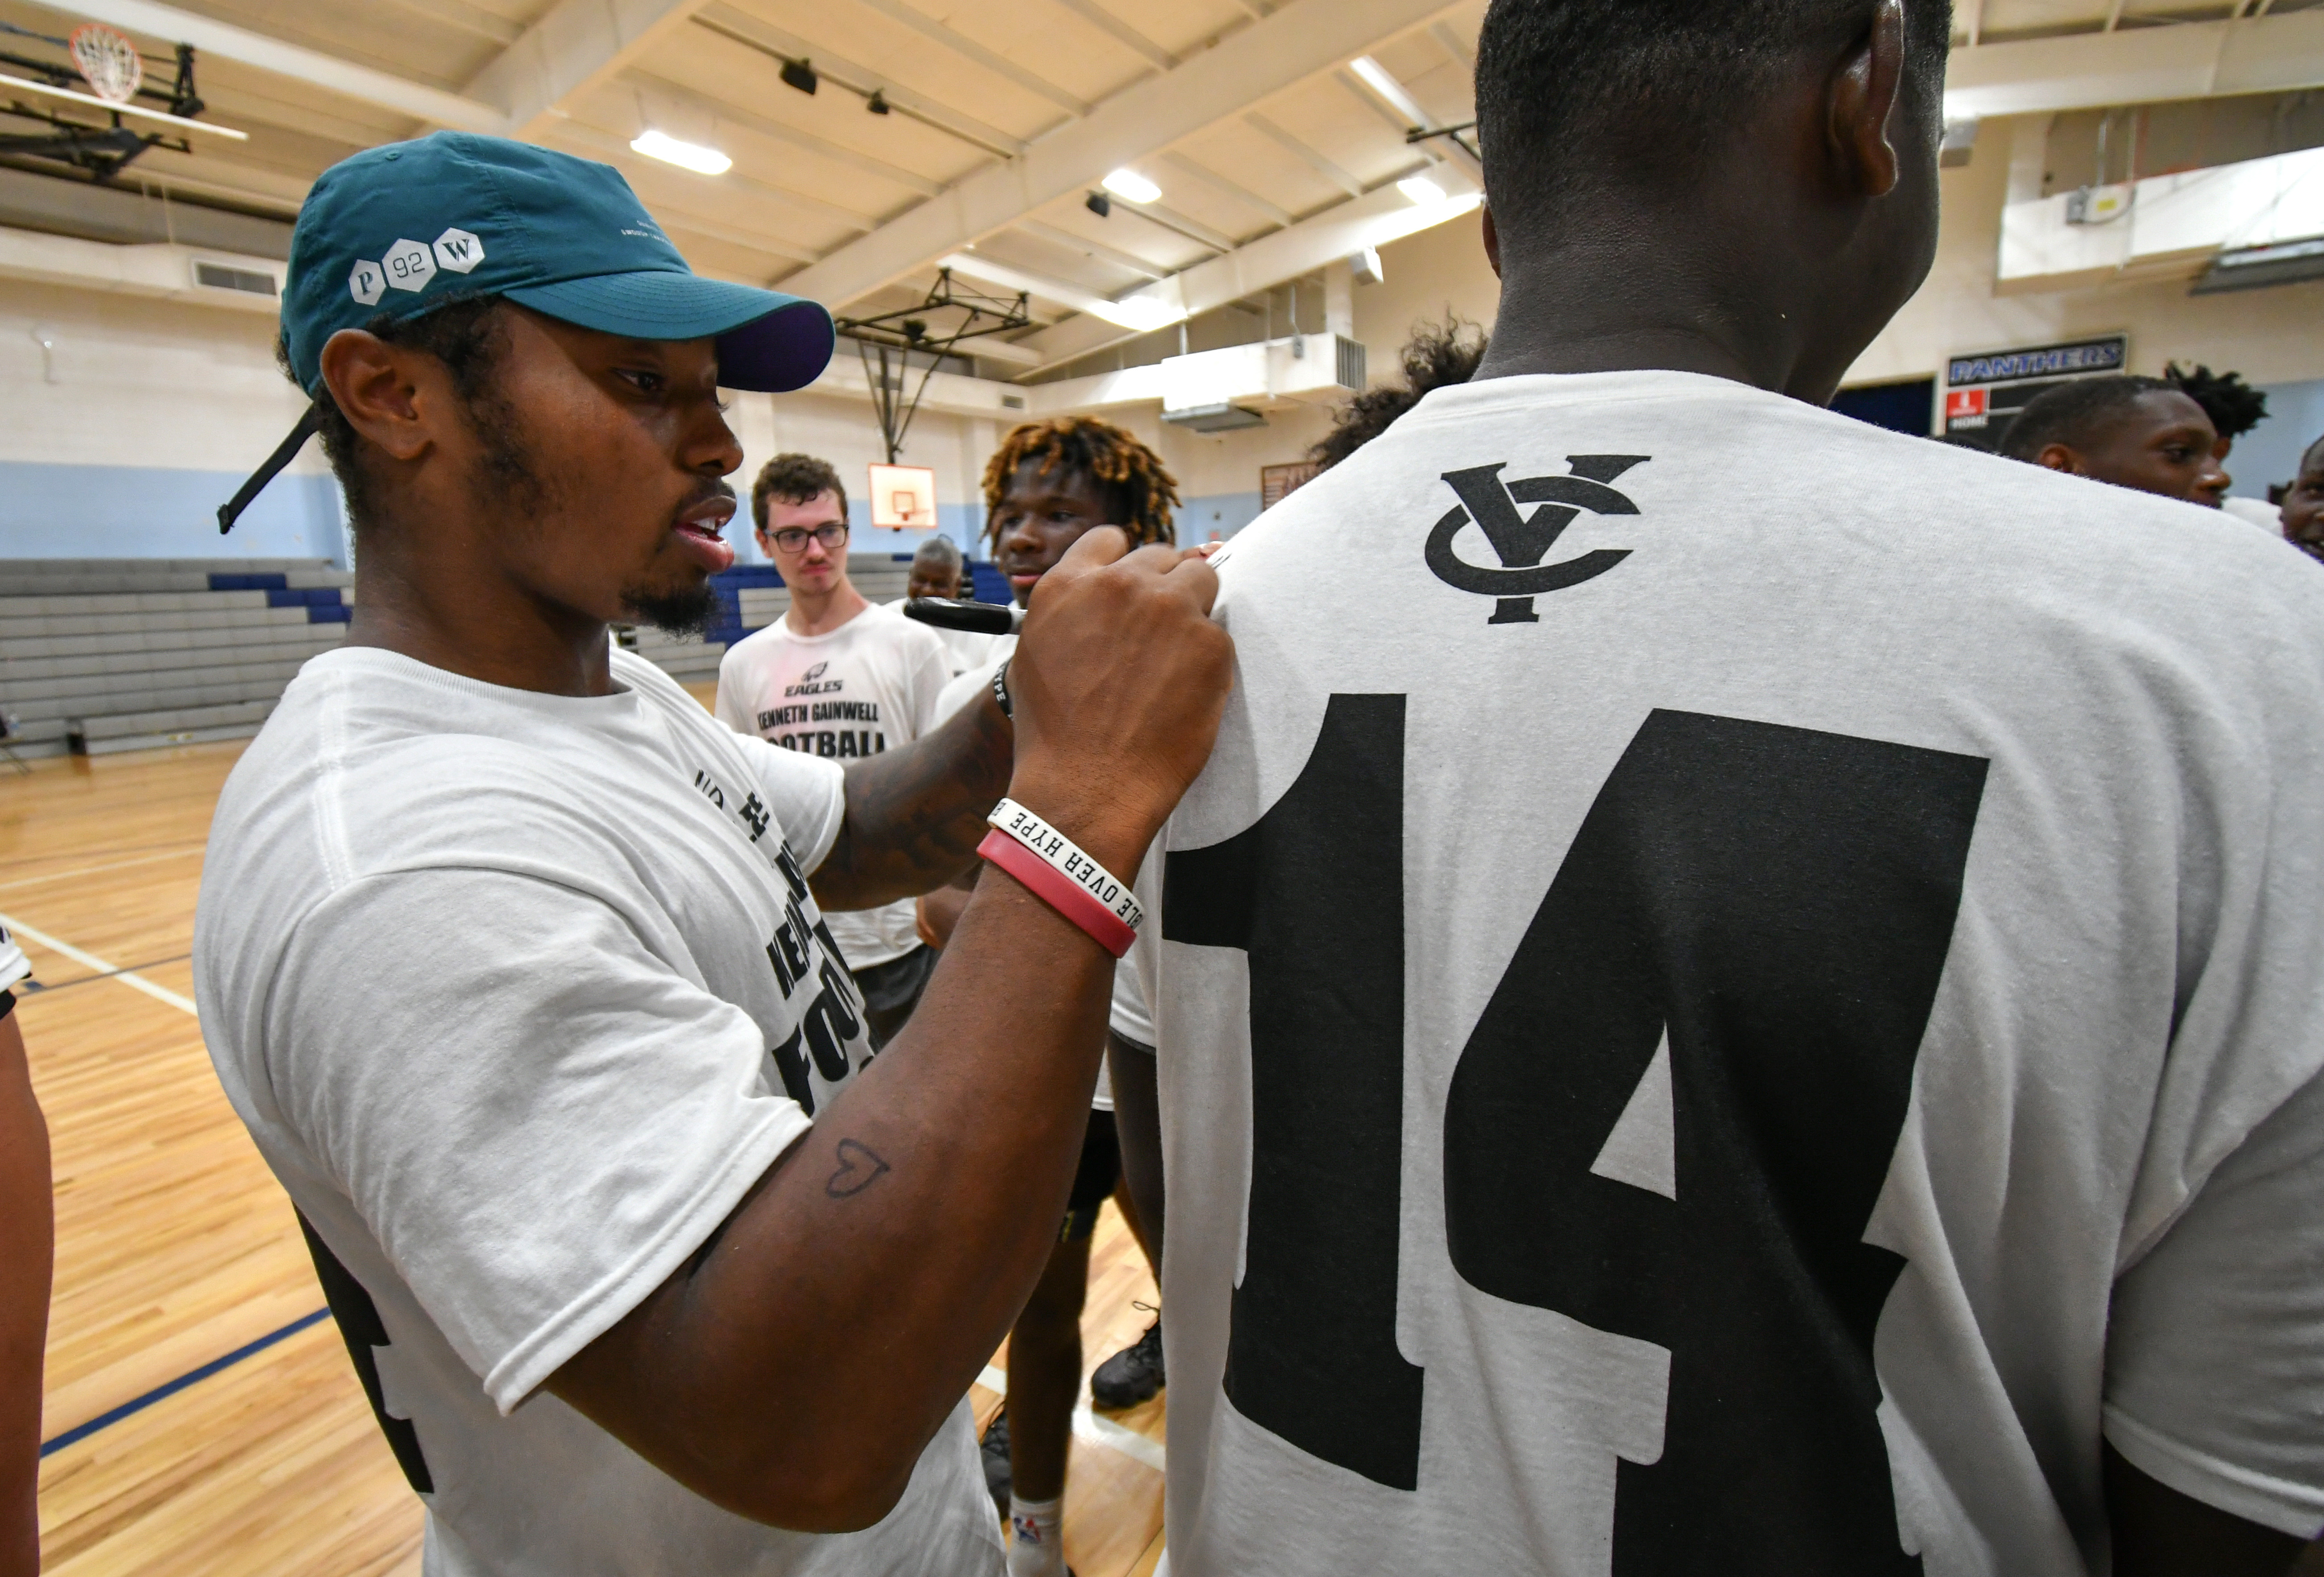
[1051, 482]
[1436, 358]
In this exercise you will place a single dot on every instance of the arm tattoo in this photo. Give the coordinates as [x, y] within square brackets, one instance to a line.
[916, 815]
[860, 1167]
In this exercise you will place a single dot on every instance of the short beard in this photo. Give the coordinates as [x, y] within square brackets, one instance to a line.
[506, 472]
[688, 612]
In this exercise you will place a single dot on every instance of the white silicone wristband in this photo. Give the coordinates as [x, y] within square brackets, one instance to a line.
[1065, 856]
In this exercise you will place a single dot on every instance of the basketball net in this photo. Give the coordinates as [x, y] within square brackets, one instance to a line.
[109, 60]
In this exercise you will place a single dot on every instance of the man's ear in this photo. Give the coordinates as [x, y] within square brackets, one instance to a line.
[1865, 94]
[1492, 242]
[372, 382]
[2059, 457]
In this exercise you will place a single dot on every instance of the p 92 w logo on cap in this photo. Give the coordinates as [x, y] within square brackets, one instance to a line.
[411, 266]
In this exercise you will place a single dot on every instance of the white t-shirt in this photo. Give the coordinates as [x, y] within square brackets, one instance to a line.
[963, 648]
[510, 988]
[866, 686]
[2255, 511]
[1751, 1032]
[1128, 1018]
[14, 965]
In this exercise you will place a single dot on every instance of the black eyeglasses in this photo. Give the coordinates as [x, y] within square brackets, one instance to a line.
[793, 538]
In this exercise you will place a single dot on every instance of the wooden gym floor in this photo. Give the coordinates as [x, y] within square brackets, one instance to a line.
[201, 1416]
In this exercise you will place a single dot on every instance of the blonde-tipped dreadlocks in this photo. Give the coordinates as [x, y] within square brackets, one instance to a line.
[1130, 475]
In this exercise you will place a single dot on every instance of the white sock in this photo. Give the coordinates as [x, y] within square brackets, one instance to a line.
[1036, 1539]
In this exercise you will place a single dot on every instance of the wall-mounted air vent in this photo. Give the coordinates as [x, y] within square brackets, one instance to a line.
[250, 281]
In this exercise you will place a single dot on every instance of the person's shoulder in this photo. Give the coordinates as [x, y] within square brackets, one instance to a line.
[889, 623]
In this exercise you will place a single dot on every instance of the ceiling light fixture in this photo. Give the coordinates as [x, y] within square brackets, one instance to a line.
[1131, 187]
[1420, 190]
[878, 103]
[692, 156]
[1100, 204]
[800, 74]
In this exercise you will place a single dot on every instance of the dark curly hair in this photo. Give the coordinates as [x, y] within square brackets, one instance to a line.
[1139, 491]
[794, 479]
[1436, 356]
[2234, 406]
[465, 336]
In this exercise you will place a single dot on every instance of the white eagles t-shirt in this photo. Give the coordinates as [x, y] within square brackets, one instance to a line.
[519, 995]
[857, 691]
[1766, 1010]
[1127, 1018]
[963, 648]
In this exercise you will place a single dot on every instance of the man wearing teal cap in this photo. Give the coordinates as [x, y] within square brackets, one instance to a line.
[512, 958]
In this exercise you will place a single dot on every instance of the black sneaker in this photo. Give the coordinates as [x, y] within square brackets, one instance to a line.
[995, 1450]
[1131, 1374]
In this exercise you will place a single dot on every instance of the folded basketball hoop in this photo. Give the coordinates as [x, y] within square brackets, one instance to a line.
[109, 60]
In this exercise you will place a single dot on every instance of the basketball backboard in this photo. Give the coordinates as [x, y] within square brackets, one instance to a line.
[904, 497]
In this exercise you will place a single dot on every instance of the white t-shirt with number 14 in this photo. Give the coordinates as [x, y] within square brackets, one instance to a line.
[860, 690]
[1761, 1020]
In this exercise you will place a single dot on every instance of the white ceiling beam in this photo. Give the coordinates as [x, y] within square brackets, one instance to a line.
[1291, 45]
[743, 28]
[719, 111]
[1011, 278]
[1449, 42]
[1171, 219]
[1128, 261]
[1220, 184]
[683, 223]
[1303, 153]
[2139, 65]
[1332, 236]
[574, 46]
[1120, 32]
[613, 145]
[419, 100]
[968, 49]
[1405, 111]
[1387, 91]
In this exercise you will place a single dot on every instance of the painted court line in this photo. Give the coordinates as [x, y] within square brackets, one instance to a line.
[79, 1433]
[1090, 1427]
[93, 870]
[90, 961]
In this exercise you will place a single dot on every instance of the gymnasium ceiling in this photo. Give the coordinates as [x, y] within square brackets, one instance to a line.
[1256, 118]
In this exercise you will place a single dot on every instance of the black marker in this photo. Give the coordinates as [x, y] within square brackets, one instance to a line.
[976, 618]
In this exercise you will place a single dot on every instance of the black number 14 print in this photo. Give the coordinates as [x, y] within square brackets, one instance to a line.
[1768, 908]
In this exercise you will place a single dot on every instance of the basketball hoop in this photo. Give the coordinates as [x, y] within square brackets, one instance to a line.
[109, 60]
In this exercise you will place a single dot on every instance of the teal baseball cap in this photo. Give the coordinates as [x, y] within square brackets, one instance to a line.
[396, 231]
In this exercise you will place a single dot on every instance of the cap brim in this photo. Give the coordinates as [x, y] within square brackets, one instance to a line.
[767, 341]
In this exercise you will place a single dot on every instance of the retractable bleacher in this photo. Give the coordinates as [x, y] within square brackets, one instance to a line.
[98, 656]
[750, 597]
[102, 655]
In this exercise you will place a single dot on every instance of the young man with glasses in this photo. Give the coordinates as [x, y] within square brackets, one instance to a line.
[840, 679]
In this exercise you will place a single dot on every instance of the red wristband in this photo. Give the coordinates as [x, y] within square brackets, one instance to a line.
[1058, 891]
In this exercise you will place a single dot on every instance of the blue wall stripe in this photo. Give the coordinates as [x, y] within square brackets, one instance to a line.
[79, 1433]
[140, 512]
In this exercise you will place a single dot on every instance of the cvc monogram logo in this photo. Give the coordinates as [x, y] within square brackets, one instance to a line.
[1522, 542]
